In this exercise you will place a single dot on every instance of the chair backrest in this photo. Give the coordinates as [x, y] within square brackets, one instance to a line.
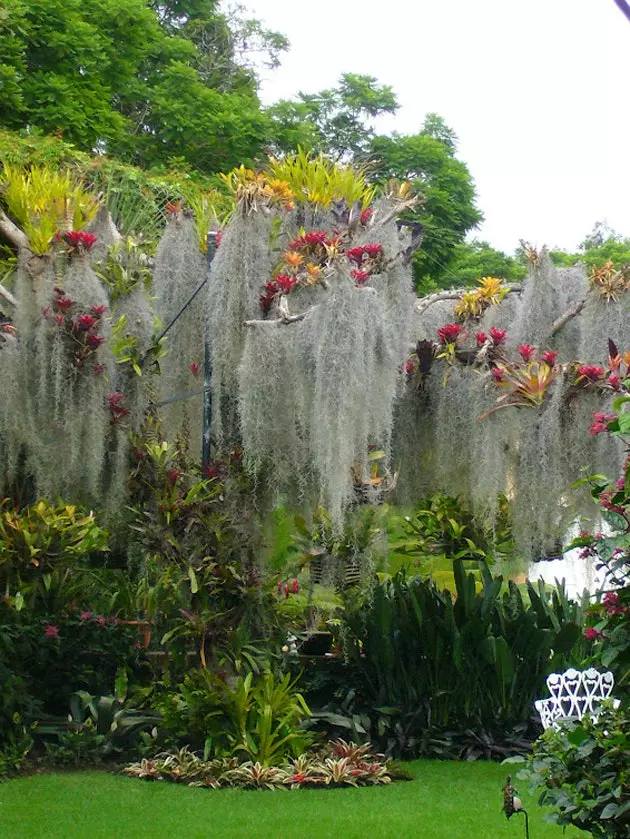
[574, 694]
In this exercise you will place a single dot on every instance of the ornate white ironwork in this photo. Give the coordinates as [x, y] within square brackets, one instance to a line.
[574, 694]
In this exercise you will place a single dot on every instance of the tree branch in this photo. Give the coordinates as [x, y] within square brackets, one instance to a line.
[562, 321]
[12, 232]
[454, 294]
[624, 7]
[4, 292]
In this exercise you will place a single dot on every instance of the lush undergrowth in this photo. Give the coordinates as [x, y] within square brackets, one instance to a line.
[445, 801]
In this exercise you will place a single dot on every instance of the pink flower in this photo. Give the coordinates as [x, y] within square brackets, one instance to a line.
[498, 335]
[448, 334]
[481, 338]
[360, 276]
[100, 620]
[410, 366]
[526, 352]
[60, 320]
[497, 374]
[592, 634]
[194, 368]
[85, 616]
[590, 372]
[614, 381]
[97, 311]
[51, 631]
[286, 590]
[600, 423]
[295, 586]
[549, 357]
[366, 215]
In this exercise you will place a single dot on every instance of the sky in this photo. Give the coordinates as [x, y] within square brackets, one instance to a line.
[537, 92]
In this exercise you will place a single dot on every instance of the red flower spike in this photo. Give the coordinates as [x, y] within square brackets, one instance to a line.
[63, 304]
[295, 586]
[448, 334]
[549, 357]
[95, 341]
[85, 322]
[194, 368]
[526, 352]
[98, 369]
[51, 631]
[498, 336]
[360, 277]
[592, 634]
[591, 372]
[373, 251]
[481, 338]
[410, 367]
[97, 311]
[497, 374]
[80, 240]
[614, 381]
[173, 475]
[286, 591]
[285, 283]
[366, 215]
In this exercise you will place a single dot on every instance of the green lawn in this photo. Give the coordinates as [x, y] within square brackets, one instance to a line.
[445, 801]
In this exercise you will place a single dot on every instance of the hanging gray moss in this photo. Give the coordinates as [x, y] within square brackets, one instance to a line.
[180, 267]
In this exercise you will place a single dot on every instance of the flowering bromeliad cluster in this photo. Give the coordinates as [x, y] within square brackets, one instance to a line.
[473, 304]
[77, 241]
[289, 587]
[80, 330]
[306, 258]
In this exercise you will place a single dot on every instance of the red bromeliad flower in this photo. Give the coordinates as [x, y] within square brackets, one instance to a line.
[97, 311]
[118, 410]
[600, 423]
[295, 586]
[373, 251]
[194, 368]
[410, 366]
[94, 341]
[85, 616]
[481, 338]
[590, 372]
[51, 631]
[366, 215]
[98, 369]
[448, 334]
[498, 336]
[173, 475]
[612, 603]
[63, 304]
[298, 778]
[549, 357]
[360, 277]
[85, 322]
[309, 240]
[285, 283]
[592, 634]
[355, 254]
[526, 352]
[614, 381]
[60, 320]
[80, 240]
[497, 374]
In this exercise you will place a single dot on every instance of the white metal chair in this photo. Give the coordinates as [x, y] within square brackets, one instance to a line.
[574, 694]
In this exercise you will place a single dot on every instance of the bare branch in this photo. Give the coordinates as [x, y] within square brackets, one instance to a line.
[12, 232]
[4, 292]
[454, 294]
[561, 322]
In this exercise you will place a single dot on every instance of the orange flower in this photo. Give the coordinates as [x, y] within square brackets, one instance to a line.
[293, 258]
[313, 271]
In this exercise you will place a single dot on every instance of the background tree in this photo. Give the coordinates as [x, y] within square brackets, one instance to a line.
[472, 260]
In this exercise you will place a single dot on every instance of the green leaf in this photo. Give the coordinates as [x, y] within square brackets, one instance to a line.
[194, 585]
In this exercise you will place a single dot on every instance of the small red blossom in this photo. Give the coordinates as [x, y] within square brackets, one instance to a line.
[366, 215]
[549, 357]
[63, 304]
[590, 372]
[116, 406]
[373, 251]
[286, 591]
[295, 586]
[298, 777]
[360, 277]
[410, 366]
[172, 208]
[526, 352]
[592, 634]
[194, 368]
[218, 236]
[60, 320]
[355, 254]
[614, 381]
[51, 631]
[100, 620]
[85, 322]
[85, 616]
[481, 338]
[600, 423]
[98, 369]
[94, 341]
[498, 335]
[173, 475]
[97, 311]
[448, 334]
[309, 240]
[497, 374]
[80, 240]
[285, 283]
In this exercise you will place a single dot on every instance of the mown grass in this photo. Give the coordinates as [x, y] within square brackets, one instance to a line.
[446, 800]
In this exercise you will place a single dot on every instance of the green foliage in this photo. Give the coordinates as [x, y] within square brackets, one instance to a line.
[447, 210]
[120, 76]
[581, 770]
[37, 539]
[479, 659]
[259, 718]
[472, 260]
